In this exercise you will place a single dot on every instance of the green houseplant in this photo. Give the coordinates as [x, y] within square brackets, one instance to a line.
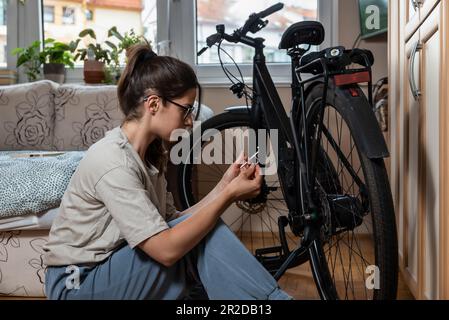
[56, 56]
[125, 41]
[94, 56]
[30, 59]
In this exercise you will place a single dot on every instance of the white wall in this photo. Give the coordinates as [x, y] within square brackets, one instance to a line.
[349, 24]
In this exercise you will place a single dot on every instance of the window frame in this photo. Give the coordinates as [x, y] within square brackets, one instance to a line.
[183, 44]
[25, 26]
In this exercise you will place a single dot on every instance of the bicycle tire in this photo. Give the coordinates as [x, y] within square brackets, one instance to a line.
[381, 209]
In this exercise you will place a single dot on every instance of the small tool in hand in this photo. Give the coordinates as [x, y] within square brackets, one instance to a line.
[252, 157]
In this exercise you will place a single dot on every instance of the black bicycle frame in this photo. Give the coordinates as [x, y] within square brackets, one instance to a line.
[266, 99]
[290, 158]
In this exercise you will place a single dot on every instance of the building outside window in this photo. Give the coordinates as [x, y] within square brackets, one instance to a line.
[72, 16]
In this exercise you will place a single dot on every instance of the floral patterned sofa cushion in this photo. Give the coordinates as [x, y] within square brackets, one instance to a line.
[22, 272]
[83, 114]
[27, 116]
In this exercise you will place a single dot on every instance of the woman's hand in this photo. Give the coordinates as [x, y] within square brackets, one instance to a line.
[233, 171]
[247, 184]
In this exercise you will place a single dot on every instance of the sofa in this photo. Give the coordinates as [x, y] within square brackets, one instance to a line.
[46, 116]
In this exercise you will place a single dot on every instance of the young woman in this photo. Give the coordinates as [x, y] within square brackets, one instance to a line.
[118, 234]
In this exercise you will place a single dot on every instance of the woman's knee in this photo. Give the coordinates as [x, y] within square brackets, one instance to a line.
[221, 231]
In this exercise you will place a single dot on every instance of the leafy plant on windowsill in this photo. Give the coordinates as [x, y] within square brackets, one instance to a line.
[58, 52]
[93, 51]
[127, 40]
[30, 58]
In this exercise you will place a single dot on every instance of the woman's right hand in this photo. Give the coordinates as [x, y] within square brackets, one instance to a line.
[247, 184]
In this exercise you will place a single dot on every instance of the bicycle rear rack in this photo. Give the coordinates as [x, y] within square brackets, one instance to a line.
[337, 58]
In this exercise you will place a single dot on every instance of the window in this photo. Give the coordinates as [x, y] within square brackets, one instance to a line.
[49, 14]
[101, 15]
[89, 15]
[3, 34]
[233, 14]
[186, 14]
[68, 15]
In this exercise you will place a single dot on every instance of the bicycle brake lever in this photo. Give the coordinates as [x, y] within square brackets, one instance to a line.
[237, 89]
[213, 39]
[258, 25]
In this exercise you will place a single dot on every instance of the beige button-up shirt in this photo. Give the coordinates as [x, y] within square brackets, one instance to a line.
[112, 197]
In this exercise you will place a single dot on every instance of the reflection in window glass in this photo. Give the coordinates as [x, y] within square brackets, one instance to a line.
[72, 16]
[3, 53]
[233, 14]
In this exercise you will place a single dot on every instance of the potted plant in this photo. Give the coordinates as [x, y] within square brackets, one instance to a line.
[30, 59]
[56, 56]
[94, 57]
[125, 41]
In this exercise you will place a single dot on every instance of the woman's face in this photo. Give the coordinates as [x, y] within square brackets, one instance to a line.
[170, 115]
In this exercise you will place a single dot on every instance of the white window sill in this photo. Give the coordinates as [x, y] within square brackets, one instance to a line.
[207, 78]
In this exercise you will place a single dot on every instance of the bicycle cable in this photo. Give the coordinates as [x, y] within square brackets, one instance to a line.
[229, 75]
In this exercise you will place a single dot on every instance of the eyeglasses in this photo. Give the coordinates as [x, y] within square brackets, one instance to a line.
[188, 108]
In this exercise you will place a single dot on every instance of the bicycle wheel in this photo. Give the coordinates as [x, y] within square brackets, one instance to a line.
[255, 221]
[358, 233]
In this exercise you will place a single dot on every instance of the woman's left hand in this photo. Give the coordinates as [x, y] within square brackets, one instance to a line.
[233, 171]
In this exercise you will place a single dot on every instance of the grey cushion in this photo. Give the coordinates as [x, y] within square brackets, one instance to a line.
[27, 116]
[84, 114]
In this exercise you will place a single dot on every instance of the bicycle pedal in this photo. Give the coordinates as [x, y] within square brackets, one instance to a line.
[260, 253]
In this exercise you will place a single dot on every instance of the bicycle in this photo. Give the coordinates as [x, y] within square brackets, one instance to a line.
[331, 188]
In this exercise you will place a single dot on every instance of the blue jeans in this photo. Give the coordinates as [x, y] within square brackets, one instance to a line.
[226, 269]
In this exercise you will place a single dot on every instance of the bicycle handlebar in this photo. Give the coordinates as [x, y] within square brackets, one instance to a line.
[271, 10]
[255, 23]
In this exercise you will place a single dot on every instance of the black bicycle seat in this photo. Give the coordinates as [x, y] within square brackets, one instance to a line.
[304, 32]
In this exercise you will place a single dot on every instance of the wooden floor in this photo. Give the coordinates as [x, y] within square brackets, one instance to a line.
[302, 287]
[299, 283]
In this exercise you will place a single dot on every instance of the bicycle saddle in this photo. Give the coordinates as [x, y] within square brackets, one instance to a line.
[304, 32]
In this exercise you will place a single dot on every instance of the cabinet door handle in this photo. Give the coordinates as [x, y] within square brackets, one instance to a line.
[417, 4]
[411, 75]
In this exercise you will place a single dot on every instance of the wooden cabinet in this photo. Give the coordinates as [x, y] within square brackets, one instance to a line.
[419, 98]
[411, 15]
[414, 14]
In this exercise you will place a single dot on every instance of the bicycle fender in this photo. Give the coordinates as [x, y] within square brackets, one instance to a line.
[357, 111]
[237, 109]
